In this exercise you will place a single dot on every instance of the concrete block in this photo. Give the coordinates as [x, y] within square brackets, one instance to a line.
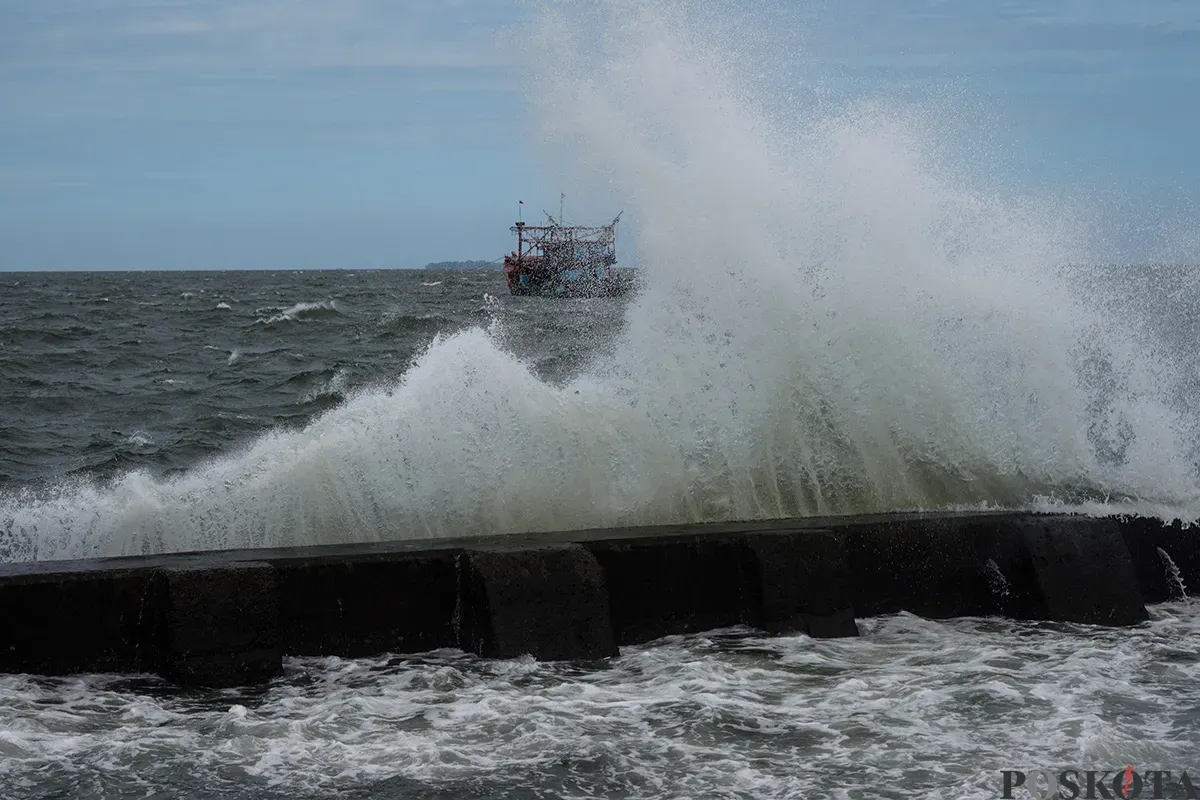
[1166, 557]
[78, 622]
[347, 605]
[551, 603]
[942, 567]
[1008, 570]
[218, 626]
[226, 618]
[799, 582]
[834, 625]
[663, 586]
[547, 602]
[1084, 570]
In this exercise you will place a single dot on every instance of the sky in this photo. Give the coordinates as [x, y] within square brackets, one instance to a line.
[301, 134]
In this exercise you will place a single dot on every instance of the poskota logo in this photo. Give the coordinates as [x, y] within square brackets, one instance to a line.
[1113, 784]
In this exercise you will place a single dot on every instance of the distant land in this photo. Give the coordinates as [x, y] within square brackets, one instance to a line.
[462, 265]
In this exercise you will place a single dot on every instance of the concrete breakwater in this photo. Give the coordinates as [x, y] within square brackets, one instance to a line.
[228, 618]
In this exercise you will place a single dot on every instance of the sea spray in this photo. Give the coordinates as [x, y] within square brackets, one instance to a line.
[831, 320]
[468, 442]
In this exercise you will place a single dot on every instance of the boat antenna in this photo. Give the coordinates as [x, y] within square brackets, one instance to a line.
[520, 207]
[561, 197]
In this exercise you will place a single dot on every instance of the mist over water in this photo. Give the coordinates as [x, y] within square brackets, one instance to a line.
[831, 320]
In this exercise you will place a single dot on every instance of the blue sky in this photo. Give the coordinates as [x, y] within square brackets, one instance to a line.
[180, 134]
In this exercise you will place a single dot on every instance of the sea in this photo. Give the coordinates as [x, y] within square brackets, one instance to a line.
[839, 309]
[306, 407]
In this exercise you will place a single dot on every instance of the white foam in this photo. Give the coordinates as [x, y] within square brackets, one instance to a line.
[832, 319]
[300, 312]
[939, 708]
[335, 386]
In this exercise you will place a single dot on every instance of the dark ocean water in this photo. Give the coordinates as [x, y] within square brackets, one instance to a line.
[137, 406]
[105, 372]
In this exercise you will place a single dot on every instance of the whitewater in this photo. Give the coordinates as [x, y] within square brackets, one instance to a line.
[834, 316]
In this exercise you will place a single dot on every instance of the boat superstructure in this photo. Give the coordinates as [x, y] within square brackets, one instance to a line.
[559, 260]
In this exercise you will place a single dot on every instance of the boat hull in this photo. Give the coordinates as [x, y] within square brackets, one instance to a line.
[530, 278]
[609, 287]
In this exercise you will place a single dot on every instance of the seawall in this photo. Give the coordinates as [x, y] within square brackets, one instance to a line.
[228, 618]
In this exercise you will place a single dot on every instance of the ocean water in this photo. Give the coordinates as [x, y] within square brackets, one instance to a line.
[104, 373]
[914, 708]
[832, 317]
[147, 412]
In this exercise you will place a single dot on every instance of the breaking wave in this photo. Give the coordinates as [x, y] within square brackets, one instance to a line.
[830, 320]
[300, 312]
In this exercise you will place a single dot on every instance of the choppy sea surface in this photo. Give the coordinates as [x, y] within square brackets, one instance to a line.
[103, 373]
[913, 708]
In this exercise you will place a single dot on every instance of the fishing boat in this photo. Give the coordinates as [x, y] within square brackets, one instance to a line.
[557, 260]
